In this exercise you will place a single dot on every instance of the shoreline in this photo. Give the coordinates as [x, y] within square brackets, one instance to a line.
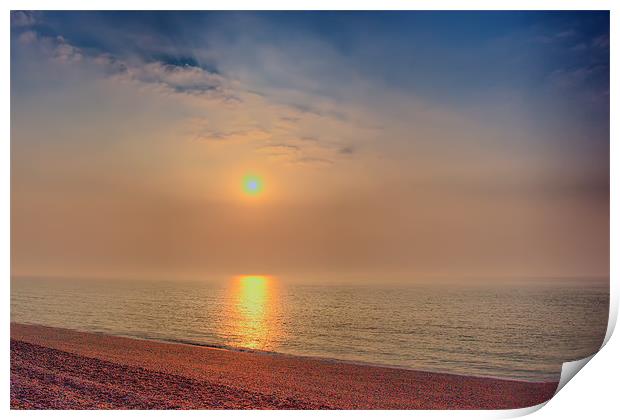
[69, 363]
[225, 347]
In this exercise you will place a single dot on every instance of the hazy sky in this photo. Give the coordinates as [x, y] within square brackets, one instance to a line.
[390, 145]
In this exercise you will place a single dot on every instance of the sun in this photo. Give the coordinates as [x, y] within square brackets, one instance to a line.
[252, 185]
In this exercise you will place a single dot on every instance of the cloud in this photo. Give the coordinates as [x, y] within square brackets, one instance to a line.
[66, 52]
[238, 111]
[27, 37]
[569, 33]
[309, 138]
[282, 152]
[316, 111]
[599, 44]
[183, 79]
[254, 134]
[53, 47]
[347, 150]
[22, 18]
[280, 148]
[571, 78]
[601, 41]
[559, 36]
[312, 161]
[169, 78]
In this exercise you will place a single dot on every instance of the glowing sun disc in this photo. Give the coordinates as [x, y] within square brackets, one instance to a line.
[252, 185]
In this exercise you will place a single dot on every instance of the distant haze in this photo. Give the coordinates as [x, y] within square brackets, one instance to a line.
[388, 145]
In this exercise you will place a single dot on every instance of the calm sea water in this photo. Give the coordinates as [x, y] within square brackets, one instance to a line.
[519, 331]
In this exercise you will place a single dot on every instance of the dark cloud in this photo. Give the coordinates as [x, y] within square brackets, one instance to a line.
[347, 150]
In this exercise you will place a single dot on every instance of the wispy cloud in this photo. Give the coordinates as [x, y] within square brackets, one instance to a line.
[187, 80]
[570, 78]
[250, 135]
[280, 148]
[601, 41]
[181, 79]
[348, 150]
[230, 105]
[312, 161]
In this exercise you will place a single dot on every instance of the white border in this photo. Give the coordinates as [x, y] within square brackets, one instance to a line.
[593, 394]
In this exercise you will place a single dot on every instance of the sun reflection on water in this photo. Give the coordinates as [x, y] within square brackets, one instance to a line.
[253, 317]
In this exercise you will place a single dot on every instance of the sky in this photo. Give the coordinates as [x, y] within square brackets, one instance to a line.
[388, 145]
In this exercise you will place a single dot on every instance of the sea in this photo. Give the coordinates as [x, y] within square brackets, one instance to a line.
[522, 331]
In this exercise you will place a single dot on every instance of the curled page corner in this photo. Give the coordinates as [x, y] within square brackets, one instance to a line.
[570, 369]
[520, 412]
[613, 317]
